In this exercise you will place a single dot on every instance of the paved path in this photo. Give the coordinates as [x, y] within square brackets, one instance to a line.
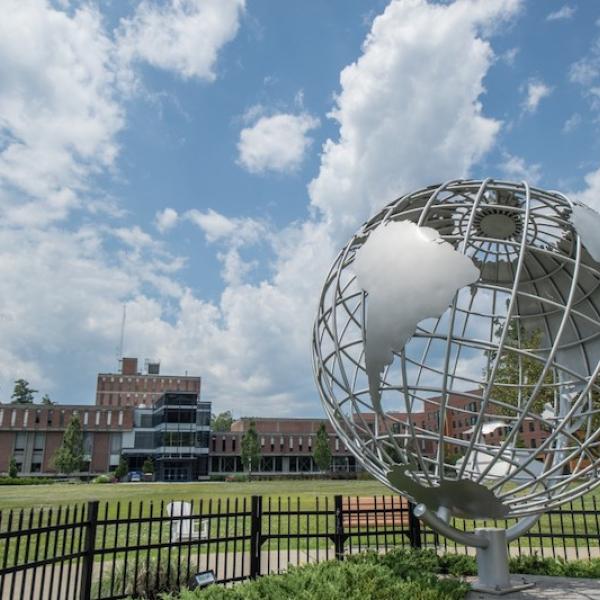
[548, 588]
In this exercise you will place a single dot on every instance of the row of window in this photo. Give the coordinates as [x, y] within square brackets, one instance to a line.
[148, 383]
[279, 464]
[271, 443]
[39, 441]
[61, 418]
[156, 439]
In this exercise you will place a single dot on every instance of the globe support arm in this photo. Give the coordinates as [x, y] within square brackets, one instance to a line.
[522, 526]
[436, 523]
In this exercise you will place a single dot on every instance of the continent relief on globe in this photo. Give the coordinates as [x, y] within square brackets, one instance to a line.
[409, 274]
[463, 497]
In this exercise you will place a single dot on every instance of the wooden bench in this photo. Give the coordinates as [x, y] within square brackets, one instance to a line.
[372, 512]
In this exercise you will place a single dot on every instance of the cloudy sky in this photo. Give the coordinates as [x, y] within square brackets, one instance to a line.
[200, 161]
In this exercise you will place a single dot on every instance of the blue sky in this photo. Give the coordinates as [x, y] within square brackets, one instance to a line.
[201, 161]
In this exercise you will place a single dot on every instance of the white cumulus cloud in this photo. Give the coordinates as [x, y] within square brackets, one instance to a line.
[409, 109]
[515, 167]
[276, 143]
[58, 111]
[183, 36]
[562, 14]
[166, 219]
[535, 91]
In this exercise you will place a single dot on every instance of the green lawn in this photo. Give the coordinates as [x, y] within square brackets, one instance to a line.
[37, 496]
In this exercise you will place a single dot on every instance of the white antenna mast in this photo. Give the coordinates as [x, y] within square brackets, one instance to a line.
[122, 338]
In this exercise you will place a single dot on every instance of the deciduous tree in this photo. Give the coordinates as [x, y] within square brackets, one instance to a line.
[69, 457]
[322, 451]
[250, 448]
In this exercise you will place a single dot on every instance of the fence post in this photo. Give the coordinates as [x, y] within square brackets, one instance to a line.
[255, 536]
[414, 528]
[87, 566]
[339, 538]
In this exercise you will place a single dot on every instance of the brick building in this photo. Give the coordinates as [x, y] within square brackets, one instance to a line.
[162, 417]
[129, 387]
[32, 434]
[286, 447]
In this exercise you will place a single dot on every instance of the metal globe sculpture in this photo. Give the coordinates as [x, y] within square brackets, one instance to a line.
[455, 321]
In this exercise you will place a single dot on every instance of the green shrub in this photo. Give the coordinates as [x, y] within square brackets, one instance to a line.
[25, 480]
[536, 565]
[459, 565]
[153, 580]
[13, 470]
[399, 574]
[102, 479]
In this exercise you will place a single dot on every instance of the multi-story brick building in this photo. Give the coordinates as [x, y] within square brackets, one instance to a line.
[129, 387]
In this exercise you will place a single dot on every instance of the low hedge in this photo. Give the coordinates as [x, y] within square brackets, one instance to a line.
[25, 480]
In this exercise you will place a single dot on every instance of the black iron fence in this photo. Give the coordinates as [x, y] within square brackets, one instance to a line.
[114, 550]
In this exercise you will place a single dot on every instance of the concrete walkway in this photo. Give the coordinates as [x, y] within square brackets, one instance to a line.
[549, 588]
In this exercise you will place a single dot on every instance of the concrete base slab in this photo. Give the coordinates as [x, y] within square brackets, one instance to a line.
[546, 588]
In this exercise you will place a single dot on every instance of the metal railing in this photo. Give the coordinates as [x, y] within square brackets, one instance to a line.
[114, 550]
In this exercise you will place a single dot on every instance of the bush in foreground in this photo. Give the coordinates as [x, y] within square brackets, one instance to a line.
[400, 574]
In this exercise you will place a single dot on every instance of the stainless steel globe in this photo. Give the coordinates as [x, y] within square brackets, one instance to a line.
[445, 419]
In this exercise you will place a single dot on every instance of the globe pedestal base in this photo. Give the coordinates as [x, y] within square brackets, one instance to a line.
[492, 564]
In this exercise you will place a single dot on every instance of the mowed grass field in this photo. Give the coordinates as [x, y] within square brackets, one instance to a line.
[41, 496]
[145, 499]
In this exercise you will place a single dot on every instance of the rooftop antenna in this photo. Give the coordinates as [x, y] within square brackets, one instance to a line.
[122, 337]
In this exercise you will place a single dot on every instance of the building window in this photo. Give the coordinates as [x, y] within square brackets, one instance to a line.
[337, 444]
[120, 417]
[97, 418]
[233, 441]
[50, 416]
[305, 464]
[25, 418]
[61, 419]
[20, 440]
[115, 443]
[1, 416]
[532, 443]
[109, 417]
[85, 418]
[262, 442]
[223, 444]
[300, 444]
[38, 441]
[13, 418]
[531, 427]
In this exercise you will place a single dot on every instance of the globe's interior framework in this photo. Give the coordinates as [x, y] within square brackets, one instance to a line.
[521, 345]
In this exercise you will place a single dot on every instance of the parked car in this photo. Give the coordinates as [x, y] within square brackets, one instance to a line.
[135, 476]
